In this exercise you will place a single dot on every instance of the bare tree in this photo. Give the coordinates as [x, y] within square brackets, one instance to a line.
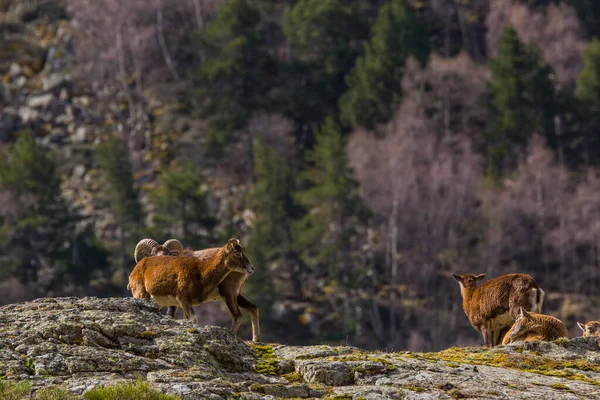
[130, 46]
[422, 187]
[555, 29]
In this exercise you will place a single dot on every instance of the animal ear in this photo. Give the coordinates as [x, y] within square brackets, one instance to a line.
[522, 312]
[230, 247]
[581, 326]
[233, 245]
[480, 277]
[457, 277]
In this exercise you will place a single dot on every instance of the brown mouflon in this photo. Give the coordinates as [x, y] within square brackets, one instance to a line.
[492, 306]
[534, 326]
[591, 328]
[187, 281]
[229, 290]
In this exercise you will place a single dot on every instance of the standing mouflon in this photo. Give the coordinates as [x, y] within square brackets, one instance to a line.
[492, 306]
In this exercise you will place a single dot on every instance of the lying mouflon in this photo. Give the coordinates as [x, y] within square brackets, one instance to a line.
[534, 326]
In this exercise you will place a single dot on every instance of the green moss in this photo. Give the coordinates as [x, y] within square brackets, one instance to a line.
[147, 335]
[266, 361]
[367, 369]
[529, 362]
[390, 368]
[307, 356]
[559, 386]
[54, 393]
[293, 377]
[340, 397]
[138, 390]
[29, 363]
[413, 388]
[11, 390]
[452, 365]
[193, 330]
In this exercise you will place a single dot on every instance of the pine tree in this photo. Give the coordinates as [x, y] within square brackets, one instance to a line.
[522, 101]
[35, 223]
[324, 234]
[233, 79]
[180, 206]
[118, 187]
[586, 141]
[588, 80]
[374, 83]
[271, 239]
[325, 37]
[89, 258]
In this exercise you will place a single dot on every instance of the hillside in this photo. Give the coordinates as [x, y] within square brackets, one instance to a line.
[79, 344]
[361, 151]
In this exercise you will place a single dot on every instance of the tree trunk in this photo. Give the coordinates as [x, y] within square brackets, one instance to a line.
[446, 89]
[182, 217]
[393, 238]
[163, 44]
[295, 274]
[125, 86]
[198, 15]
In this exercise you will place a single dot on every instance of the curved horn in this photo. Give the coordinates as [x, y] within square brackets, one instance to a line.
[144, 247]
[174, 245]
[234, 241]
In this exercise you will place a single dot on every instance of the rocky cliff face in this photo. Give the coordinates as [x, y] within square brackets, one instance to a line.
[83, 343]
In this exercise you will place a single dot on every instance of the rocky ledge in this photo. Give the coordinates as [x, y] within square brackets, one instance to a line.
[81, 343]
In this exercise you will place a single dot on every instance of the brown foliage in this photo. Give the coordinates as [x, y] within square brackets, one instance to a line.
[452, 90]
[423, 192]
[521, 211]
[146, 39]
[545, 222]
[555, 29]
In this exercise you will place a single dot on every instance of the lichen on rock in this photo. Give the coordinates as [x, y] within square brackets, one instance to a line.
[72, 345]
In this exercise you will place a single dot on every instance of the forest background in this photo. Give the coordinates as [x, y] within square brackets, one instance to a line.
[361, 150]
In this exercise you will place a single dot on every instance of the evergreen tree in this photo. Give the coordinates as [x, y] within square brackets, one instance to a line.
[586, 142]
[588, 80]
[325, 37]
[271, 238]
[35, 223]
[180, 206]
[324, 234]
[374, 84]
[236, 69]
[88, 258]
[118, 187]
[522, 101]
